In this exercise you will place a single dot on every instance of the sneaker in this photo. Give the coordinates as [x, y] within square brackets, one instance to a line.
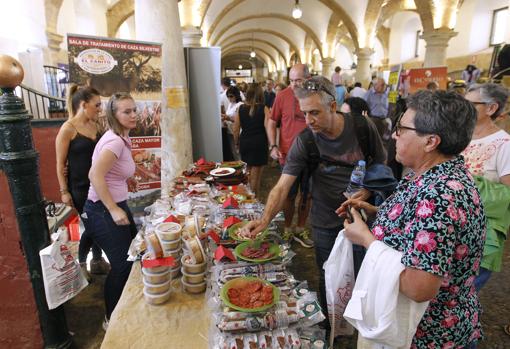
[85, 272]
[287, 234]
[99, 266]
[106, 322]
[303, 237]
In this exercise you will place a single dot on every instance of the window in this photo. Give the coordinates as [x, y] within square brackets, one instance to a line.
[498, 27]
[417, 43]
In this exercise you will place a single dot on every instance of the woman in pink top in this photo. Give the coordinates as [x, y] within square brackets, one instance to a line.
[106, 215]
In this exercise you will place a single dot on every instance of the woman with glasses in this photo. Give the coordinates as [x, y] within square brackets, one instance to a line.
[433, 219]
[250, 133]
[107, 217]
[488, 156]
[74, 146]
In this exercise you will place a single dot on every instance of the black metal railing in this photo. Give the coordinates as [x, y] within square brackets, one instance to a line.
[41, 105]
[57, 80]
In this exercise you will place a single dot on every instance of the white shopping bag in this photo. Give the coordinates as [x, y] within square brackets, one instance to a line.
[62, 274]
[339, 274]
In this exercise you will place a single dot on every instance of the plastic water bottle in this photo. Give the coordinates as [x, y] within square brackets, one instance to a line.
[357, 177]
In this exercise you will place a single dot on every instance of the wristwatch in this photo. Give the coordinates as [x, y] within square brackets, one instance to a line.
[272, 146]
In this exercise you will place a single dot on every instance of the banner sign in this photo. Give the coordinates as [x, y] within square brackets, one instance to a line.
[112, 66]
[419, 78]
[393, 83]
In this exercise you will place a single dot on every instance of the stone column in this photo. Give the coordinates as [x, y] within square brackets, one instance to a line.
[363, 66]
[280, 75]
[158, 21]
[327, 65]
[437, 43]
[191, 35]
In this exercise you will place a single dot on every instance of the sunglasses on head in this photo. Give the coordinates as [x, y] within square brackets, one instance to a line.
[312, 85]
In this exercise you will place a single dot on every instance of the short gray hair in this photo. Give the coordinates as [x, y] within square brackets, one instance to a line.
[446, 114]
[492, 93]
[323, 85]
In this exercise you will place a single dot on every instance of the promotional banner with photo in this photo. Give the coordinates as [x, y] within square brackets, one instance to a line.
[112, 66]
[418, 79]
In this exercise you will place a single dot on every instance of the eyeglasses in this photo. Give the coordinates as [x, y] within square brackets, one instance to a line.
[478, 103]
[230, 96]
[312, 85]
[399, 127]
[295, 81]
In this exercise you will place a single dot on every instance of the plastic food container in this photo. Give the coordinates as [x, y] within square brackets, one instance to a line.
[171, 245]
[169, 231]
[156, 299]
[195, 250]
[156, 289]
[175, 272]
[191, 268]
[160, 269]
[156, 278]
[174, 253]
[193, 279]
[194, 288]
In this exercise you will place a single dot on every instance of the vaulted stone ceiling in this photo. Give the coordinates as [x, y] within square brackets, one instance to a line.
[268, 27]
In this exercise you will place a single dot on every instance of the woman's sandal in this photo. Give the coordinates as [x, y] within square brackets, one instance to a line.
[507, 329]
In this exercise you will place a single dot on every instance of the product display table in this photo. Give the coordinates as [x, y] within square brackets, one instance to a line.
[182, 322]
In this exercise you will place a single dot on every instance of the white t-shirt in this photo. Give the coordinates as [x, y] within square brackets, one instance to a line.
[358, 92]
[232, 109]
[489, 156]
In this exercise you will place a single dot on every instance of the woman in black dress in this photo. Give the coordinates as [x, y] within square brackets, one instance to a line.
[74, 146]
[250, 133]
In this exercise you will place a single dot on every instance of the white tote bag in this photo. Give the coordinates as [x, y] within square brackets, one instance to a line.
[62, 274]
[339, 275]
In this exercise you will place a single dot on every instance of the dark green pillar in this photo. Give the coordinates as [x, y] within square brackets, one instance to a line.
[20, 163]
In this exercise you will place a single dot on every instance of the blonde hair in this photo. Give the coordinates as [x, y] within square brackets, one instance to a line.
[111, 110]
[78, 94]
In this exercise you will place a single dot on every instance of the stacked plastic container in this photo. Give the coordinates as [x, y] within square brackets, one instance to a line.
[156, 284]
[169, 235]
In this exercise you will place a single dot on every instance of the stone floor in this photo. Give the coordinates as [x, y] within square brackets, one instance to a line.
[85, 312]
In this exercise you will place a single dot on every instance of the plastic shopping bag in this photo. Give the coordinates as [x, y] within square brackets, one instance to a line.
[62, 274]
[339, 274]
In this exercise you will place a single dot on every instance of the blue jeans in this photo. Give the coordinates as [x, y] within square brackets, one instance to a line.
[324, 240]
[482, 278]
[114, 240]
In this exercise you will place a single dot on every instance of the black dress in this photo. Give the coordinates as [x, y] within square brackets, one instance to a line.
[253, 144]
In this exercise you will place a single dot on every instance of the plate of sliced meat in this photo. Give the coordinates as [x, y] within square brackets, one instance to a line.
[222, 171]
[257, 251]
[249, 294]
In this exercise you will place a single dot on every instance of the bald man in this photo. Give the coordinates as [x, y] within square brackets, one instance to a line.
[286, 112]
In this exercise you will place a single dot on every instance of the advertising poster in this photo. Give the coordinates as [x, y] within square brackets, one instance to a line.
[419, 78]
[112, 66]
[393, 82]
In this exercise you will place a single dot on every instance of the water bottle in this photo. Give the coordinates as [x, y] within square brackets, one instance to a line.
[356, 182]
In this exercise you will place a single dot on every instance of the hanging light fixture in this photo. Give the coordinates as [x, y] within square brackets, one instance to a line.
[252, 53]
[296, 11]
[240, 66]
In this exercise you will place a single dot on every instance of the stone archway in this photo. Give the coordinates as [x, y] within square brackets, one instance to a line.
[117, 14]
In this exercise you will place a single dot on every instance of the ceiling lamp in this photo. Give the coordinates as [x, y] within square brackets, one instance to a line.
[296, 11]
[240, 66]
[252, 54]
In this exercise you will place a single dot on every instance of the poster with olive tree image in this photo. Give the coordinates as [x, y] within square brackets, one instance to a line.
[120, 66]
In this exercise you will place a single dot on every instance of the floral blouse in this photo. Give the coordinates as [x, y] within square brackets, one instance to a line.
[437, 221]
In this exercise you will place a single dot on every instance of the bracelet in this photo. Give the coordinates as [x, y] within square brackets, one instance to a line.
[273, 146]
[64, 191]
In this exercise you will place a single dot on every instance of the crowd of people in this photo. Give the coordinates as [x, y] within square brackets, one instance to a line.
[447, 216]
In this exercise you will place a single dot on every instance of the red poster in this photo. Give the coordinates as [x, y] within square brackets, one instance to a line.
[419, 78]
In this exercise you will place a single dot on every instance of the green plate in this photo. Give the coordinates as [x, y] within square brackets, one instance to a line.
[232, 232]
[243, 280]
[273, 248]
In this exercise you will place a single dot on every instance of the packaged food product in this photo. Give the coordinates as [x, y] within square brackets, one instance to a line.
[156, 289]
[155, 278]
[169, 231]
[171, 245]
[194, 288]
[192, 268]
[193, 278]
[156, 299]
